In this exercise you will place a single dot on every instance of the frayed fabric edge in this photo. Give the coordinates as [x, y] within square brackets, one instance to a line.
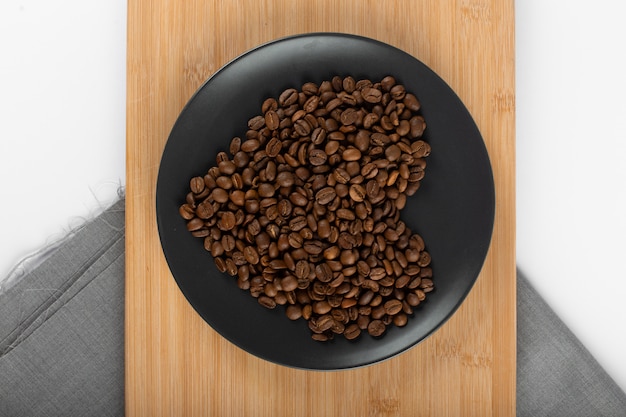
[36, 258]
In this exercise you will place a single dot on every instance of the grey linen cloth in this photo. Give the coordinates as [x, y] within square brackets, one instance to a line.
[62, 339]
[62, 328]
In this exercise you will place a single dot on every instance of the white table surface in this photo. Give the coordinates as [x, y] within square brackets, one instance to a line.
[62, 96]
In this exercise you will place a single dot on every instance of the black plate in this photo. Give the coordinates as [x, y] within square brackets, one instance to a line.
[453, 210]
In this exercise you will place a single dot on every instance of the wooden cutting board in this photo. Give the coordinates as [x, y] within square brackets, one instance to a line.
[175, 363]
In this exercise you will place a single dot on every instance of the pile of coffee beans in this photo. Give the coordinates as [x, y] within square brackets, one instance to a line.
[305, 211]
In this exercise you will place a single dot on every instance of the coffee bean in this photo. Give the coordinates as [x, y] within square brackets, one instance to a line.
[293, 312]
[289, 284]
[345, 214]
[227, 167]
[196, 184]
[266, 190]
[351, 154]
[371, 95]
[393, 153]
[195, 224]
[227, 222]
[295, 240]
[357, 193]
[332, 252]
[424, 259]
[288, 97]
[321, 307]
[349, 116]
[347, 241]
[311, 104]
[341, 176]
[297, 223]
[400, 319]
[325, 195]
[377, 273]
[411, 102]
[302, 127]
[420, 149]
[397, 92]
[302, 269]
[220, 263]
[298, 199]
[231, 267]
[256, 123]
[306, 214]
[313, 247]
[187, 212]
[273, 147]
[228, 242]
[204, 210]
[323, 272]
[251, 255]
[352, 331]
[413, 299]
[393, 307]
[267, 302]
[417, 126]
[376, 328]
[272, 120]
[317, 157]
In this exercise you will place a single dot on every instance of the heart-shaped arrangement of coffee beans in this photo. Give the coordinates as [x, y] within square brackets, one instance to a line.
[305, 210]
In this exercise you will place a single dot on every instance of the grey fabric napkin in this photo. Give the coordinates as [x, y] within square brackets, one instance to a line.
[62, 339]
[62, 328]
[556, 374]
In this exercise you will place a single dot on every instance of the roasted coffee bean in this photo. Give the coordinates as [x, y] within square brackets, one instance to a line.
[195, 224]
[352, 331]
[294, 312]
[317, 157]
[376, 328]
[285, 179]
[298, 199]
[196, 184]
[297, 223]
[313, 247]
[351, 154]
[295, 240]
[289, 283]
[204, 232]
[400, 319]
[306, 214]
[357, 193]
[272, 120]
[251, 255]
[267, 302]
[204, 210]
[325, 195]
[323, 272]
[228, 242]
[393, 307]
[417, 125]
[273, 147]
[393, 153]
[288, 97]
[187, 212]
[256, 123]
[371, 95]
[341, 176]
[398, 92]
[411, 102]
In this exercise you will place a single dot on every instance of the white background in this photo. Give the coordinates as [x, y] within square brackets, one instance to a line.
[62, 145]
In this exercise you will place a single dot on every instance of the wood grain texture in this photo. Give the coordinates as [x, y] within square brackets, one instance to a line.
[175, 363]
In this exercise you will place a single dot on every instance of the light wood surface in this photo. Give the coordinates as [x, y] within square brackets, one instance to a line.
[175, 363]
